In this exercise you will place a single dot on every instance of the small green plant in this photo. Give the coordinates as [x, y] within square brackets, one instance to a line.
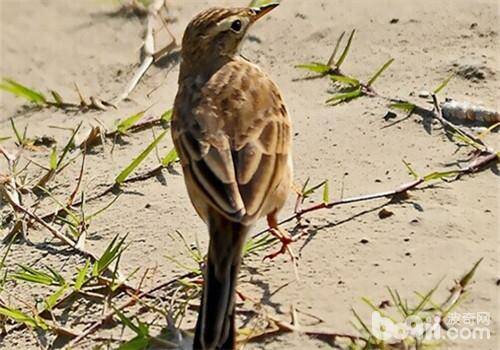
[353, 88]
[350, 88]
[142, 339]
[170, 158]
[138, 160]
[21, 317]
[124, 125]
[53, 278]
[410, 107]
[332, 67]
[22, 91]
[423, 309]
[40, 100]
[22, 139]
[115, 248]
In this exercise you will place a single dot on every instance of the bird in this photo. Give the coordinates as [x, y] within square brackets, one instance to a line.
[232, 133]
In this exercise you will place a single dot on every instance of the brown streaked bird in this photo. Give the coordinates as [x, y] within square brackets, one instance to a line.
[233, 136]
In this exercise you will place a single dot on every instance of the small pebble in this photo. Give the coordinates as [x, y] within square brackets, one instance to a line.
[424, 94]
[389, 115]
[384, 213]
[414, 222]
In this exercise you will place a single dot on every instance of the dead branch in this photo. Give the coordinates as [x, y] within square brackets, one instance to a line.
[150, 52]
[71, 198]
[480, 162]
[132, 300]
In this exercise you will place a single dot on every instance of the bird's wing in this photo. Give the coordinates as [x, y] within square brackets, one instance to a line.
[211, 169]
[236, 141]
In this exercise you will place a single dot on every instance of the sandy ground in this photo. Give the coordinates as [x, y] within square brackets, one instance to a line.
[439, 233]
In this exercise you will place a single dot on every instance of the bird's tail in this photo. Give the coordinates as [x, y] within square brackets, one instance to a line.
[215, 327]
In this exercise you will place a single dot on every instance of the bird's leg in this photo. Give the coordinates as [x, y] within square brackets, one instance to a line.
[282, 235]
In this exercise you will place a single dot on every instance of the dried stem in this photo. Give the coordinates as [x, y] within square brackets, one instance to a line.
[133, 299]
[475, 165]
[150, 54]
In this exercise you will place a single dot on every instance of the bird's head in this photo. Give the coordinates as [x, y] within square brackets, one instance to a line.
[216, 33]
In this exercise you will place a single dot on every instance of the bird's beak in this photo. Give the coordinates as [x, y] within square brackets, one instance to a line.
[258, 12]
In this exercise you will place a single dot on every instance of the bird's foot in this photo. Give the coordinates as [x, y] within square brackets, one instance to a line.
[285, 240]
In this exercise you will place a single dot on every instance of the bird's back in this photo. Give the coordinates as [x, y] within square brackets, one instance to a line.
[236, 124]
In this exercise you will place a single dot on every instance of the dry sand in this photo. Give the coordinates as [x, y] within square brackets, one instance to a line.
[439, 233]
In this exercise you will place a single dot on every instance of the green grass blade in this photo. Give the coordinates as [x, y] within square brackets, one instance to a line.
[166, 116]
[410, 169]
[82, 274]
[103, 209]
[20, 139]
[170, 158]
[112, 252]
[439, 175]
[69, 212]
[31, 278]
[20, 90]
[260, 3]
[261, 243]
[136, 343]
[379, 72]
[315, 67]
[368, 302]
[51, 300]
[53, 159]
[135, 163]
[197, 258]
[182, 266]
[404, 106]
[305, 185]
[125, 124]
[56, 276]
[29, 274]
[443, 84]
[306, 192]
[345, 97]
[346, 49]
[326, 192]
[361, 322]
[464, 281]
[57, 98]
[127, 321]
[335, 49]
[345, 80]
[69, 145]
[425, 299]
[21, 317]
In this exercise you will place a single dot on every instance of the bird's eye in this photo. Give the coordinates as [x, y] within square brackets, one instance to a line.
[236, 25]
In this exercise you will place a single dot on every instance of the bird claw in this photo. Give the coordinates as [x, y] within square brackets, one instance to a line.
[285, 240]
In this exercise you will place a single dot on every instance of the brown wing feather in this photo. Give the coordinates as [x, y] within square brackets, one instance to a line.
[233, 142]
